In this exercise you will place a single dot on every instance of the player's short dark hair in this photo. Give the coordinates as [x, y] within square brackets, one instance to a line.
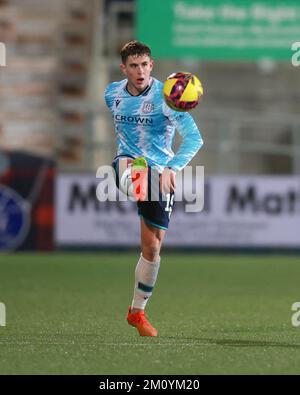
[134, 48]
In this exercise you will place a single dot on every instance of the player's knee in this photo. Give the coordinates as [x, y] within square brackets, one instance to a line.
[151, 254]
[151, 249]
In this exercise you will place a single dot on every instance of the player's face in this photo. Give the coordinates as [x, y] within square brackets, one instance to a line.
[137, 70]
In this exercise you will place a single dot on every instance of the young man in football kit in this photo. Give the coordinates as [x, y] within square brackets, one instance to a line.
[145, 127]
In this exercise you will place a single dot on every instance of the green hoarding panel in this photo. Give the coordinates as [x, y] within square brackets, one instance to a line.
[219, 29]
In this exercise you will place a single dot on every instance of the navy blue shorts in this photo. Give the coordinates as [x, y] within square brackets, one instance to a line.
[156, 211]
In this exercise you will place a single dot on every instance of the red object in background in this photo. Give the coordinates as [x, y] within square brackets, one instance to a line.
[32, 177]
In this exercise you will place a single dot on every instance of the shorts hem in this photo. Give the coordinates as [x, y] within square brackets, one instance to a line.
[153, 224]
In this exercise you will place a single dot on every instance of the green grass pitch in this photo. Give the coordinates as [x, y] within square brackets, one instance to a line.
[65, 314]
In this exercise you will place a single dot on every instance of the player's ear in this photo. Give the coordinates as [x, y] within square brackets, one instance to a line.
[151, 64]
[123, 69]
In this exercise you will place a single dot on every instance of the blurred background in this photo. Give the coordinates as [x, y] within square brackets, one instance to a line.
[55, 130]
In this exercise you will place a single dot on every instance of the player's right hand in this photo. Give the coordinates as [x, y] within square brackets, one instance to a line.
[168, 181]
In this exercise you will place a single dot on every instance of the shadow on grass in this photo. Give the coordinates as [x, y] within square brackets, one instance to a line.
[97, 340]
[236, 343]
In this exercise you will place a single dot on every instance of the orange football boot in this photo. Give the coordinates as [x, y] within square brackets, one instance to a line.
[141, 323]
[139, 176]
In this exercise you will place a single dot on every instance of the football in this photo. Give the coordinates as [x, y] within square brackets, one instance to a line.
[182, 91]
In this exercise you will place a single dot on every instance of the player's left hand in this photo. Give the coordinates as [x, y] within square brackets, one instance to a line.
[168, 181]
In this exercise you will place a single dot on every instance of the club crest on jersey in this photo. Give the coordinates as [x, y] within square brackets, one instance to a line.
[148, 107]
[118, 102]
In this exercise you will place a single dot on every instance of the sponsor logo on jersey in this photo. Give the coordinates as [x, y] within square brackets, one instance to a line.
[118, 102]
[148, 107]
[134, 119]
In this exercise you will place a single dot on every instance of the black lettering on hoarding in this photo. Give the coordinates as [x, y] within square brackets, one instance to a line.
[240, 201]
[83, 199]
[272, 204]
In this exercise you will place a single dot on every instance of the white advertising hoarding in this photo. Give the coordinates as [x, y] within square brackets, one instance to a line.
[239, 211]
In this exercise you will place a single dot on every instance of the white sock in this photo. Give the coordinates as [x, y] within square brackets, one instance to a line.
[145, 278]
